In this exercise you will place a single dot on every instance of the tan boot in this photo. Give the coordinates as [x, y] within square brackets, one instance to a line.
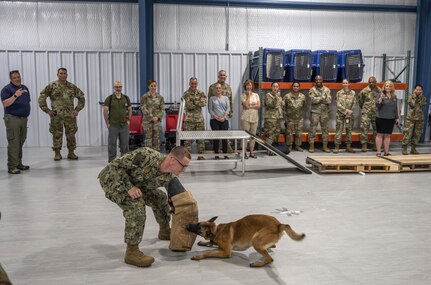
[164, 232]
[413, 150]
[325, 148]
[405, 152]
[311, 149]
[136, 257]
[364, 147]
[298, 148]
[229, 148]
[57, 155]
[336, 149]
[185, 211]
[349, 148]
[72, 155]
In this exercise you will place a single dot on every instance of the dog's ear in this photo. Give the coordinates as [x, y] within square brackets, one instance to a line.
[212, 219]
[211, 236]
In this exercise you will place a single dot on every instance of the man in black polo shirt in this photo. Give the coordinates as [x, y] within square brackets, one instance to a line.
[16, 102]
[117, 111]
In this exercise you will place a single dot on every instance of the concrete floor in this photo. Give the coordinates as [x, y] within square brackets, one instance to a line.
[58, 228]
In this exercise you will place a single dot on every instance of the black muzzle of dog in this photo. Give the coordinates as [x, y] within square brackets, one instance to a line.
[193, 228]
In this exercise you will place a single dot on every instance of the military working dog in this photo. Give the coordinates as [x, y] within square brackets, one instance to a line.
[259, 231]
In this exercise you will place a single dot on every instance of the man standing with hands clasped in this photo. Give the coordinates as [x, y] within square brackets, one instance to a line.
[16, 102]
[117, 112]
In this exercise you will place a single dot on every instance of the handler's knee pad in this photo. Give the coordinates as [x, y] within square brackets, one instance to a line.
[185, 211]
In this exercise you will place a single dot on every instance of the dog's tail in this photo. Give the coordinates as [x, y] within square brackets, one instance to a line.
[292, 234]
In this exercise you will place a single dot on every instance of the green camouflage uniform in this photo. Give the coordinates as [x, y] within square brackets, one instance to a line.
[194, 101]
[152, 106]
[62, 96]
[226, 91]
[345, 101]
[294, 106]
[273, 114]
[320, 101]
[367, 102]
[139, 168]
[414, 125]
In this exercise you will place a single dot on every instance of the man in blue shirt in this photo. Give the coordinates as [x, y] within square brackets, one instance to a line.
[16, 102]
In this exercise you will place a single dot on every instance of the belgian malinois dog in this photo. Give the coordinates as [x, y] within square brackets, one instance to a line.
[259, 231]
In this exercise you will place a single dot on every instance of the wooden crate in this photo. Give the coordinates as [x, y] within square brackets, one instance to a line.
[340, 164]
[418, 162]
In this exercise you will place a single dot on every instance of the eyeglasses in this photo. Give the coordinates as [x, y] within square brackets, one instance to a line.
[182, 165]
[118, 86]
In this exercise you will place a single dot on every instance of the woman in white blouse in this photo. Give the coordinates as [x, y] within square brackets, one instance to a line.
[250, 112]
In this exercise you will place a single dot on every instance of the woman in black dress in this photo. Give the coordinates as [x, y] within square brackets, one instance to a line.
[386, 117]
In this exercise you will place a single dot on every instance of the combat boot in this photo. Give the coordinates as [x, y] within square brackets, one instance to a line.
[364, 147]
[405, 152]
[136, 257]
[349, 148]
[336, 149]
[311, 149]
[289, 148]
[57, 155]
[298, 148]
[164, 232]
[413, 150]
[325, 148]
[72, 155]
[229, 148]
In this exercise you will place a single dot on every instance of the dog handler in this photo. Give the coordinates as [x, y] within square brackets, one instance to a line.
[132, 181]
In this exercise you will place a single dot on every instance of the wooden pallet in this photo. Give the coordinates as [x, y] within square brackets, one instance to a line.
[340, 164]
[418, 162]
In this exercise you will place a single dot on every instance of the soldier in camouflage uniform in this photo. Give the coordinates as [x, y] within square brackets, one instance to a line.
[273, 114]
[320, 97]
[293, 112]
[152, 104]
[346, 99]
[367, 102]
[226, 91]
[132, 181]
[194, 101]
[63, 112]
[414, 125]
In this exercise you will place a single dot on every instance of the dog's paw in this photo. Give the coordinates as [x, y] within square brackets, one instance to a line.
[196, 257]
[205, 243]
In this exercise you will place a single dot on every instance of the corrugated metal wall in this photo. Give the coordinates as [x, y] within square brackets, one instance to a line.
[98, 44]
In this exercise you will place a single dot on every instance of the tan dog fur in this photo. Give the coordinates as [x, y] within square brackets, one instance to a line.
[259, 231]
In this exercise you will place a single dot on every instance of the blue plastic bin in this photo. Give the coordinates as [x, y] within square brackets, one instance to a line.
[299, 65]
[273, 65]
[325, 64]
[350, 65]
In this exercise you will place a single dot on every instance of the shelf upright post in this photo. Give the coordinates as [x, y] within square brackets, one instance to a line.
[384, 68]
[260, 90]
[407, 81]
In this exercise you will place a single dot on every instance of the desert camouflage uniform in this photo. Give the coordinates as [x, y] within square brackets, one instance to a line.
[294, 106]
[320, 101]
[273, 115]
[367, 102]
[345, 101]
[152, 106]
[194, 101]
[139, 168]
[226, 91]
[62, 97]
[414, 125]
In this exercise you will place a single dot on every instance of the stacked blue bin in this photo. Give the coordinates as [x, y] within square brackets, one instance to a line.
[299, 65]
[325, 65]
[273, 65]
[351, 65]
